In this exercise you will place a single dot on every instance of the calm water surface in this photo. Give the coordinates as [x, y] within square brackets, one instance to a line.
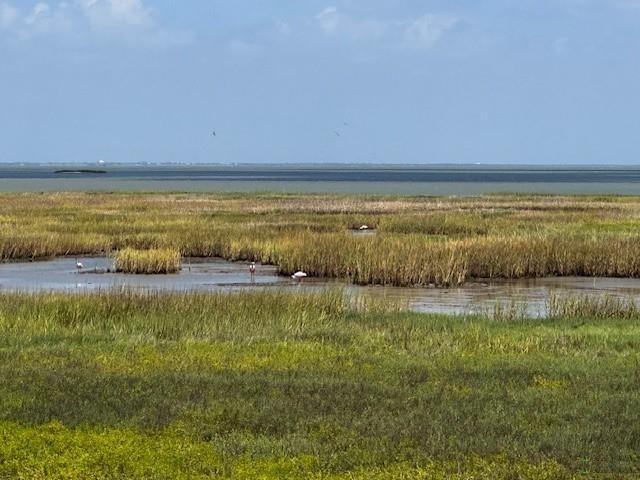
[217, 275]
[413, 180]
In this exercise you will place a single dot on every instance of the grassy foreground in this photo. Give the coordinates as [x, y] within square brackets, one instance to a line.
[419, 240]
[281, 385]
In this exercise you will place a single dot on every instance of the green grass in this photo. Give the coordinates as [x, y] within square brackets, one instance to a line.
[283, 385]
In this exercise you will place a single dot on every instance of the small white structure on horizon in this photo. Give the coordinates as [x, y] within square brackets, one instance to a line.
[299, 276]
[101, 162]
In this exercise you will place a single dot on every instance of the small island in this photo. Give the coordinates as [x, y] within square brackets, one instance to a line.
[83, 170]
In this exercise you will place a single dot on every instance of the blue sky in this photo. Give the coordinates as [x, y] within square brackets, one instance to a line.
[405, 81]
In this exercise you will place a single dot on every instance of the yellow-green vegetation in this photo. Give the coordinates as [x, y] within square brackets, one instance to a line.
[306, 386]
[417, 240]
[592, 306]
[154, 260]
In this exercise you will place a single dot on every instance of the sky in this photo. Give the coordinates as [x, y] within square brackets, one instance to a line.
[320, 81]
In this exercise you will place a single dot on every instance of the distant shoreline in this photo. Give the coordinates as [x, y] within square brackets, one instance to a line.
[428, 180]
[82, 170]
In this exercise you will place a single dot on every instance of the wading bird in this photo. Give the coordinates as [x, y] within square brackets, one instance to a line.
[79, 265]
[299, 276]
[364, 227]
[252, 268]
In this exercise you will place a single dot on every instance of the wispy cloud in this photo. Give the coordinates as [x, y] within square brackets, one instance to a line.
[417, 33]
[8, 16]
[43, 19]
[333, 22]
[424, 32]
[39, 12]
[109, 14]
[124, 21]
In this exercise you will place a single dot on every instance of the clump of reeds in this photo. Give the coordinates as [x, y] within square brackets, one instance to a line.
[591, 306]
[378, 304]
[152, 261]
[507, 312]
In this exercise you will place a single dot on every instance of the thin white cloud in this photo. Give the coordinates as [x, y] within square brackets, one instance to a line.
[109, 14]
[122, 21]
[43, 19]
[329, 19]
[418, 33]
[334, 23]
[8, 15]
[424, 32]
[39, 12]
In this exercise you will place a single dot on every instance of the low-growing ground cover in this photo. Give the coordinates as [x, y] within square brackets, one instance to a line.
[307, 385]
[417, 241]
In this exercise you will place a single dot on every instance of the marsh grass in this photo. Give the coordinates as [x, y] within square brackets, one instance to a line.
[592, 306]
[278, 384]
[505, 311]
[178, 315]
[152, 261]
[419, 241]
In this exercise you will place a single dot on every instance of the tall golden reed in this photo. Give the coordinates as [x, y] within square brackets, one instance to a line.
[419, 241]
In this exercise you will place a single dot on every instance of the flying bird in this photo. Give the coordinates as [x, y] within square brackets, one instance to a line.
[214, 133]
[337, 133]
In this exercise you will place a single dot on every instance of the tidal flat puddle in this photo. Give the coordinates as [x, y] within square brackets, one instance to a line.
[217, 275]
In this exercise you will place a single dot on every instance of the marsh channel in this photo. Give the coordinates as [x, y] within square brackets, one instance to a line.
[218, 275]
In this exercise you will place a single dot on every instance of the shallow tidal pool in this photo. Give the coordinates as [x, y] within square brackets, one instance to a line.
[480, 296]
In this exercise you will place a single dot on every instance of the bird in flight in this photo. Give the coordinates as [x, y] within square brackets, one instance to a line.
[337, 133]
[214, 133]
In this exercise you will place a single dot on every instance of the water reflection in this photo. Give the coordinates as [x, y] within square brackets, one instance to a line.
[220, 275]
